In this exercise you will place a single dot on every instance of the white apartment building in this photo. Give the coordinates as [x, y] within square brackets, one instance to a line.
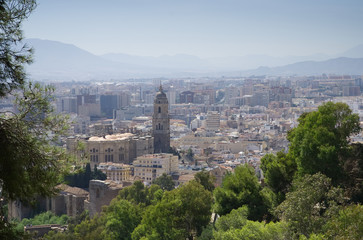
[151, 166]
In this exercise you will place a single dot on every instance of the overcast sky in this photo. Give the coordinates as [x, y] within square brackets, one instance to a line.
[204, 28]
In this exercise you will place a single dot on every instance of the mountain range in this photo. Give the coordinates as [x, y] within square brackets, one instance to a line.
[59, 61]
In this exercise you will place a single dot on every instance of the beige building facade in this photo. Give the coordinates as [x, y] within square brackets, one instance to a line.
[115, 148]
[118, 148]
[213, 121]
[151, 166]
[116, 172]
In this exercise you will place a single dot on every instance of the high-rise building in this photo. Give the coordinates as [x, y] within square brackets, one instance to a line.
[213, 121]
[161, 123]
[109, 103]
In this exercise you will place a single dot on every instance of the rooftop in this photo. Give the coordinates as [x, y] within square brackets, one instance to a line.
[113, 137]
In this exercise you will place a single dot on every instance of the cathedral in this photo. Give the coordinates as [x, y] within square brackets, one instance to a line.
[161, 123]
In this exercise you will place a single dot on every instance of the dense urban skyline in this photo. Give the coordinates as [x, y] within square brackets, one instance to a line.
[201, 28]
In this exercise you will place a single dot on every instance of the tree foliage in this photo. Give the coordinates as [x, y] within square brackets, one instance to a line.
[312, 201]
[239, 189]
[279, 171]
[321, 140]
[205, 179]
[90, 228]
[236, 219]
[165, 182]
[253, 230]
[81, 177]
[348, 224]
[28, 144]
[122, 218]
[181, 213]
[13, 53]
[140, 195]
[43, 218]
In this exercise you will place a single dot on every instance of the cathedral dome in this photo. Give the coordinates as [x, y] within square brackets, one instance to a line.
[161, 93]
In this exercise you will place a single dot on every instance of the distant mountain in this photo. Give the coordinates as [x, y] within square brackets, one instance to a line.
[175, 62]
[59, 61]
[342, 65]
[356, 52]
[255, 61]
[56, 60]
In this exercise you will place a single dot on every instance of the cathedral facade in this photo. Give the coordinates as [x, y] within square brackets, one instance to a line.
[161, 123]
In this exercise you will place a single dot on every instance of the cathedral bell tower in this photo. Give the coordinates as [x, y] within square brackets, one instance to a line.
[161, 123]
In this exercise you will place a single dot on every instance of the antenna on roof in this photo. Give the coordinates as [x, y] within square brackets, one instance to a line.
[161, 87]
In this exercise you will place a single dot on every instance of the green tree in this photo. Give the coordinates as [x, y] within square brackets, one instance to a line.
[348, 224]
[13, 53]
[190, 153]
[98, 174]
[353, 167]
[165, 182]
[236, 219]
[311, 203]
[181, 213]
[322, 138]
[43, 218]
[122, 218]
[31, 163]
[81, 177]
[279, 171]
[255, 231]
[239, 189]
[93, 228]
[138, 194]
[205, 179]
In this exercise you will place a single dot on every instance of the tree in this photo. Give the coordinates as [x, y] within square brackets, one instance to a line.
[353, 168]
[31, 163]
[279, 171]
[13, 54]
[254, 230]
[239, 189]
[181, 213]
[98, 174]
[90, 228]
[205, 179]
[311, 203]
[122, 218]
[236, 219]
[138, 194]
[81, 177]
[165, 182]
[348, 224]
[322, 138]
[43, 218]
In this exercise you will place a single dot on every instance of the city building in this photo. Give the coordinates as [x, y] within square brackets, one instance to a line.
[116, 172]
[213, 121]
[151, 166]
[161, 123]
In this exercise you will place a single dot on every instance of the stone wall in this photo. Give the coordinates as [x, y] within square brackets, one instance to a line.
[100, 194]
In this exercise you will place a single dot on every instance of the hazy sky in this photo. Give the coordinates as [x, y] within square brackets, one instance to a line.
[205, 28]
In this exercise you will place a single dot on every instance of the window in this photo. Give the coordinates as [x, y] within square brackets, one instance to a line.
[159, 110]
